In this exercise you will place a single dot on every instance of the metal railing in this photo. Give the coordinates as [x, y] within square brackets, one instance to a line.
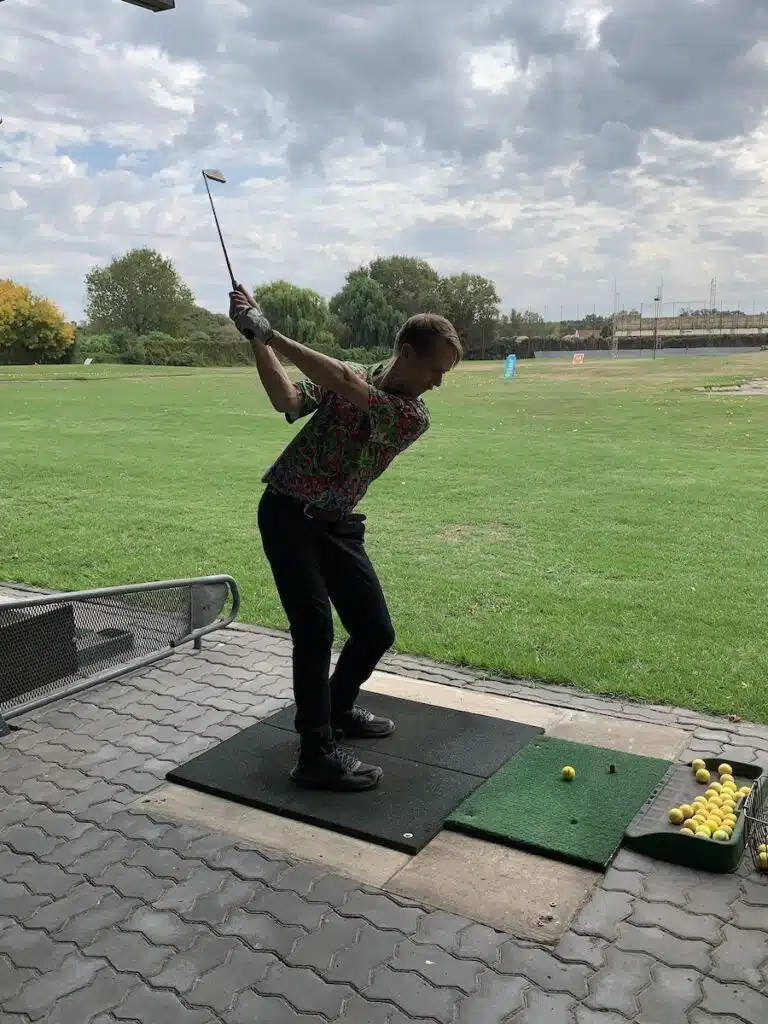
[57, 645]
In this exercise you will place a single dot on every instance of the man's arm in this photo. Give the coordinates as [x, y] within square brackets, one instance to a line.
[328, 373]
[277, 384]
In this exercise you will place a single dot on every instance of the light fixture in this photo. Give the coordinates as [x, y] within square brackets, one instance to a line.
[153, 5]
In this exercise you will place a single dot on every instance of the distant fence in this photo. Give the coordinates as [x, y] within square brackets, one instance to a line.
[647, 353]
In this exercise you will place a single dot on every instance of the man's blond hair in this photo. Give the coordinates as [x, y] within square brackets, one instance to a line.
[422, 330]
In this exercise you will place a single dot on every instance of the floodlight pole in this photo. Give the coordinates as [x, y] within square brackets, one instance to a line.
[657, 303]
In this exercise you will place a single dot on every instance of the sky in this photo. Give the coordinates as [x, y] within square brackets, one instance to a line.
[554, 147]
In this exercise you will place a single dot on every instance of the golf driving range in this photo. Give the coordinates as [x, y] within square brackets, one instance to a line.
[383, 533]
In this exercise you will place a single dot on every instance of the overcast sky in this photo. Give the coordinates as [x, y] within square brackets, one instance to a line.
[551, 146]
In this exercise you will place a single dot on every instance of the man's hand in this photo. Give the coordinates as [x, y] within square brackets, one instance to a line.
[239, 299]
[248, 317]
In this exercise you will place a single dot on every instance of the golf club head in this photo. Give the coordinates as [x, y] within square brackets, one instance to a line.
[214, 175]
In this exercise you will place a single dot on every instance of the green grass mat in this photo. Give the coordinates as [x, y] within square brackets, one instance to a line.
[527, 803]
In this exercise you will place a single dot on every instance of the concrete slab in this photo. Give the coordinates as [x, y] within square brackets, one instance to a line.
[579, 726]
[510, 709]
[528, 896]
[624, 734]
[353, 858]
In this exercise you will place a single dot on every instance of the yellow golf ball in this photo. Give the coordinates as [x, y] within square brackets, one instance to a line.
[710, 793]
[687, 811]
[702, 775]
[690, 832]
[725, 779]
[721, 836]
[569, 773]
[762, 848]
[697, 764]
[762, 861]
[715, 801]
[704, 830]
[724, 769]
[716, 786]
[676, 816]
[745, 791]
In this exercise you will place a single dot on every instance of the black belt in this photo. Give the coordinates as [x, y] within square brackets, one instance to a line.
[323, 515]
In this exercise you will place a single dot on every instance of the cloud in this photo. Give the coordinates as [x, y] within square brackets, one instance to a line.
[553, 147]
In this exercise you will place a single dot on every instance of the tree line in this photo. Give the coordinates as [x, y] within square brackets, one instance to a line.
[139, 310]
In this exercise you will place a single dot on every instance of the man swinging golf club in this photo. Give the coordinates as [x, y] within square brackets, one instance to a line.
[312, 537]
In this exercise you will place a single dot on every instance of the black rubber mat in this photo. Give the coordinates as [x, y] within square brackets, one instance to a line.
[455, 740]
[404, 812]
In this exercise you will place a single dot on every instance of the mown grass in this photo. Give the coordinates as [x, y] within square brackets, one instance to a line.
[603, 525]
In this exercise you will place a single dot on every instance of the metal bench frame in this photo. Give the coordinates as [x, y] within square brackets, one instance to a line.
[200, 625]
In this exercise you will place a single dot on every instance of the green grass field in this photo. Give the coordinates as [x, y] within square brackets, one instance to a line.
[603, 525]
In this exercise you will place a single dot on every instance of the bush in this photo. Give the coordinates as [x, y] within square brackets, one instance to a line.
[366, 356]
[158, 349]
[101, 348]
[32, 328]
[196, 349]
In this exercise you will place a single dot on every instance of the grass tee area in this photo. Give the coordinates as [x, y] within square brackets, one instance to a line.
[603, 525]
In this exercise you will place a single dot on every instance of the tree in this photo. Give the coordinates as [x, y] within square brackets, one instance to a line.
[409, 284]
[363, 308]
[216, 327]
[298, 312]
[141, 292]
[32, 328]
[595, 321]
[472, 305]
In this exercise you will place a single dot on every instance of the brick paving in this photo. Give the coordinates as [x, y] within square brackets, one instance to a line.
[108, 916]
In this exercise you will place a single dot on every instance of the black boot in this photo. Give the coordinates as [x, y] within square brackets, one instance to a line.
[324, 765]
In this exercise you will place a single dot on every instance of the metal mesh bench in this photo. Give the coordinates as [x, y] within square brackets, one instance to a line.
[54, 645]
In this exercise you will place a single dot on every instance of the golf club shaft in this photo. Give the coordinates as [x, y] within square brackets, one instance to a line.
[221, 237]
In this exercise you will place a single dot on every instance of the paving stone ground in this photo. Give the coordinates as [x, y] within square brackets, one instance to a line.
[108, 916]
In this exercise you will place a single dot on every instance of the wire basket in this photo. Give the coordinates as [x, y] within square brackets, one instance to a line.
[756, 824]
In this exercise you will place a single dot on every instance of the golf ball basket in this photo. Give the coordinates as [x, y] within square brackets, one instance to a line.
[756, 820]
[653, 835]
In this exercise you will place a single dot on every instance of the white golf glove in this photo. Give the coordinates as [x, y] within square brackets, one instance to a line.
[252, 323]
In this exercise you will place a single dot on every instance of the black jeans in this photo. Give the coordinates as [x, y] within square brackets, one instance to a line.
[315, 565]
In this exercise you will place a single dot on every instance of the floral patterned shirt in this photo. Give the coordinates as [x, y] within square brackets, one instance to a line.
[342, 449]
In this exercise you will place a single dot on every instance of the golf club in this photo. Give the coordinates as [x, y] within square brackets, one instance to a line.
[213, 175]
